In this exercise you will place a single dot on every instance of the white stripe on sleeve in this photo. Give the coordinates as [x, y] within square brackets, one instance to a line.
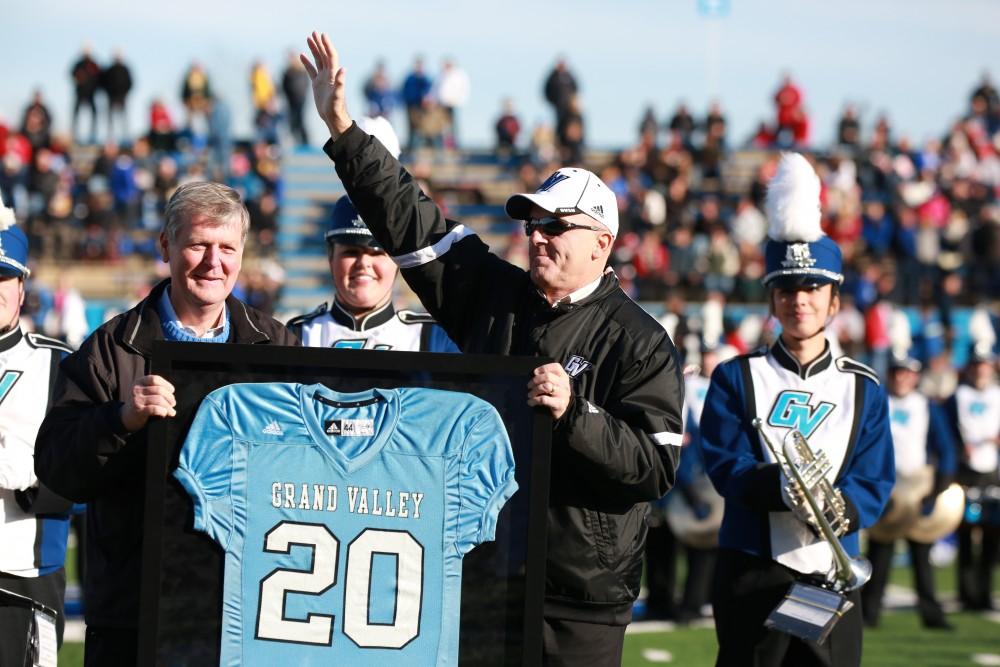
[668, 438]
[425, 255]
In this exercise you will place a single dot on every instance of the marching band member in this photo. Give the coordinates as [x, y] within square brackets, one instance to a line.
[362, 315]
[974, 412]
[693, 490]
[840, 408]
[920, 435]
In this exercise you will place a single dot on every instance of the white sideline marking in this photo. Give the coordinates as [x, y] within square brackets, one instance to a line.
[986, 658]
[657, 655]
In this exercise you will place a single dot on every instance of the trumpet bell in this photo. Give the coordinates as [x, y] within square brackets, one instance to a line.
[861, 572]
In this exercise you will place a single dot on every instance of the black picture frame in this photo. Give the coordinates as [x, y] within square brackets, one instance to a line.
[182, 571]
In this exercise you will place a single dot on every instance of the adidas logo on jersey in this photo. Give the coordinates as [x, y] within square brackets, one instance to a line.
[273, 428]
[350, 427]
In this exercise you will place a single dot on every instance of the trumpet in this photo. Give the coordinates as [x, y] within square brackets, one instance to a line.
[807, 485]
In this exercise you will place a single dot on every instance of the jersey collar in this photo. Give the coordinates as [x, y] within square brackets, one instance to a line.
[311, 400]
[788, 361]
[373, 319]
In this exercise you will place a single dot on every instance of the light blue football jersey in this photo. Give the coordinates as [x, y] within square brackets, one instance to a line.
[344, 517]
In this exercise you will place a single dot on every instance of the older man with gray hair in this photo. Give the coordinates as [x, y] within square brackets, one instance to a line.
[92, 445]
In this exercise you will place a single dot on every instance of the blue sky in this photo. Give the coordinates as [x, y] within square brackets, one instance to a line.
[916, 60]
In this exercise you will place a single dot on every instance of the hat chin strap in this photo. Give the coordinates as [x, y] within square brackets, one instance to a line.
[14, 322]
[818, 332]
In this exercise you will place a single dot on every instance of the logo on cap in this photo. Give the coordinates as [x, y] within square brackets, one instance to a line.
[552, 181]
[797, 256]
[598, 210]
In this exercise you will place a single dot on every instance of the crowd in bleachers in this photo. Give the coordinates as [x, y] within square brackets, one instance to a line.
[84, 200]
[919, 225]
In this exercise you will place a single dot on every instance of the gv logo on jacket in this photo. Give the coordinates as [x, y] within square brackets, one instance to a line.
[793, 410]
[576, 365]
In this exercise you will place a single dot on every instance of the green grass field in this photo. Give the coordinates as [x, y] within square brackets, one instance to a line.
[900, 641]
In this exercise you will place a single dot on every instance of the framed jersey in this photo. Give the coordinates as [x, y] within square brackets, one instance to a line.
[343, 507]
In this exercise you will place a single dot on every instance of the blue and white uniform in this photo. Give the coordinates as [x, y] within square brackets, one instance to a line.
[691, 465]
[975, 414]
[838, 405]
[31, 544]
[382, 329]
[920, 436]
[34, 521]
[344, 517]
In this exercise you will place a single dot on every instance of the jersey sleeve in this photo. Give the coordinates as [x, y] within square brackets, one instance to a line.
[486, 480]
[205, 471]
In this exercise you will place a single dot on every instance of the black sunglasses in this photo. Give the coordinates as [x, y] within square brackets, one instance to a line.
[554, 226]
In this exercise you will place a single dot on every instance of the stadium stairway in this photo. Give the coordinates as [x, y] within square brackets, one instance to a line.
[470, 185]
[311, 190]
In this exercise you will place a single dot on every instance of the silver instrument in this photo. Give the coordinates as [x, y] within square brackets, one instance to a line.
[686, 526]
[905, 506]
[807, 487]
[946, 516]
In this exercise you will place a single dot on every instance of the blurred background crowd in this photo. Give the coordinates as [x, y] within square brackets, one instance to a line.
[918, 223]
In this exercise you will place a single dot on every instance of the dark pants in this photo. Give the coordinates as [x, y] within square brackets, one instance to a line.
[116, 109]
[15, 621]
[975, 570]
[747, 589]
[698, 585]
[579, 644]
[110, 646]
[880, 555]
[296, 124]
[661, 572]
[85, 102]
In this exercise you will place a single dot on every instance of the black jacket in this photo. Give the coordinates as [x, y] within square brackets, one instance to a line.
[84, 453]
[616, 447]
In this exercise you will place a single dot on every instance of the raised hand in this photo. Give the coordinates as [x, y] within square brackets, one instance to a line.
[327, 78]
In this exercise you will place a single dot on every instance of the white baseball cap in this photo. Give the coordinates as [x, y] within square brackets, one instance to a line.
[570, 190]
[380, 128]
